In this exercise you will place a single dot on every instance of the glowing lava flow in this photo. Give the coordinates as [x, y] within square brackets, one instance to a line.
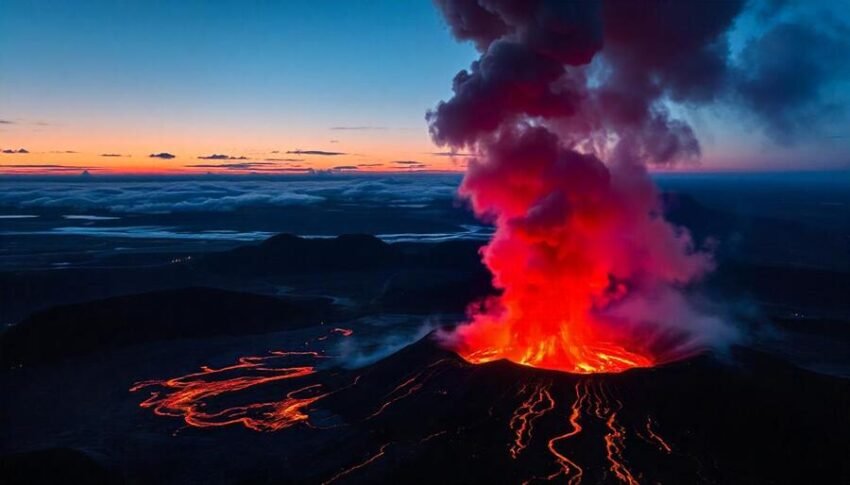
[407, 388]
[592, 400]
[554, 345]
[186, 396]
[381, 452]
[569, 467]
[536, 405]
[655, 437]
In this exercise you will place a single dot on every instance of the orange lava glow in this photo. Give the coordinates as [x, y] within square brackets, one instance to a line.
[187, 396]
[569, 468]
[381, 452]
[550, 329]
[592, 400]
[536, 405]
[662, 445]
[408, 387]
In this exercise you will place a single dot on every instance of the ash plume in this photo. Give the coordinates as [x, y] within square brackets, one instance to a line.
[565, 109]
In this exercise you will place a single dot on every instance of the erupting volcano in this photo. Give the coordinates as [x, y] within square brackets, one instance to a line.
[563, 111]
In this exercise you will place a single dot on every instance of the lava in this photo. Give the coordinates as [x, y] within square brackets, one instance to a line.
[536, 405]
[614, 446]
[381, 452]
[655, 437]
[592, 400]
[407, 388]
[345, 332]
[187, 396]
[568, 467]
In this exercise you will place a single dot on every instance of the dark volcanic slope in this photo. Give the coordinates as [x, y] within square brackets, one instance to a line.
[69, 330]
[423, 415]
[755, 421]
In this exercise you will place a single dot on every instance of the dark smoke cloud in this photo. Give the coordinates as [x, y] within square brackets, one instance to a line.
[596, 69]
[564, 109]
[786, 74]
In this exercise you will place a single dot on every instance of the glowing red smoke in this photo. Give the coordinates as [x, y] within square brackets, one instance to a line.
[592, 278]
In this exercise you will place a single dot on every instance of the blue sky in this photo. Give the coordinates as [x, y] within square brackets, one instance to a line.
[250, 78]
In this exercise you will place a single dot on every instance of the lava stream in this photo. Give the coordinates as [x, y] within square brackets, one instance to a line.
[186, 396]
[407, 388]
[536, 405]
[381, 452]
[566, 464]
[658, 439]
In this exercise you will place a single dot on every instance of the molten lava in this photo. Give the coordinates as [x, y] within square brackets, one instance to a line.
[186, 396]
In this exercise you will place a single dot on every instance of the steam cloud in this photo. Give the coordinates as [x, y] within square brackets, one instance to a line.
[565, 108]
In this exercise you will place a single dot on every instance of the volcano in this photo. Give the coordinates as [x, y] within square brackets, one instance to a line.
[425, 413]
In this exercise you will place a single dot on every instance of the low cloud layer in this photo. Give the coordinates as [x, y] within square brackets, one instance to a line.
[224, 195]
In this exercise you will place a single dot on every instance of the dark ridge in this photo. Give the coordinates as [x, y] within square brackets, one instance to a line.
[51, 466]
[64, 331]
[288, 253]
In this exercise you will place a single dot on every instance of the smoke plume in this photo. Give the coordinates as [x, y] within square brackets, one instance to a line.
[565, 109]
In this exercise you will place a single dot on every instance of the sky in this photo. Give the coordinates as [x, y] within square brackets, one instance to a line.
[195, 86]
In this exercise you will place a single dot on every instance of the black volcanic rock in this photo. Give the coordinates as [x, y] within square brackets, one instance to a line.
[67, 330]
[744, 418]
[51, 466]
[287, 253]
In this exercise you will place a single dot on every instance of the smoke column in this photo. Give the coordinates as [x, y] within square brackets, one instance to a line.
[565, 109]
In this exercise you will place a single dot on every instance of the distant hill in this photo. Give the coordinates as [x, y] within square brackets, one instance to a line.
[288, 253]
[69, 330]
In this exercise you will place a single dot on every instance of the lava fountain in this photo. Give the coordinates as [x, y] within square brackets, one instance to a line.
[592, 278]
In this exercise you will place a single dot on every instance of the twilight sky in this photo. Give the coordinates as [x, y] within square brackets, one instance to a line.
[276, 86]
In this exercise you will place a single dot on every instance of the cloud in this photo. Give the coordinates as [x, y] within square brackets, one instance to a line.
[370, 164]
[346, 167]
[315, 152]
[357, 128]
[166, 195]
[217, 156]
[452, 154]
[233, 166]
[163, 155]
[63, 151]
[19, 150]
[788, 77]
[37, 168]
[284, 159]
[409, 164]
[111, 155]
[7, 122]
